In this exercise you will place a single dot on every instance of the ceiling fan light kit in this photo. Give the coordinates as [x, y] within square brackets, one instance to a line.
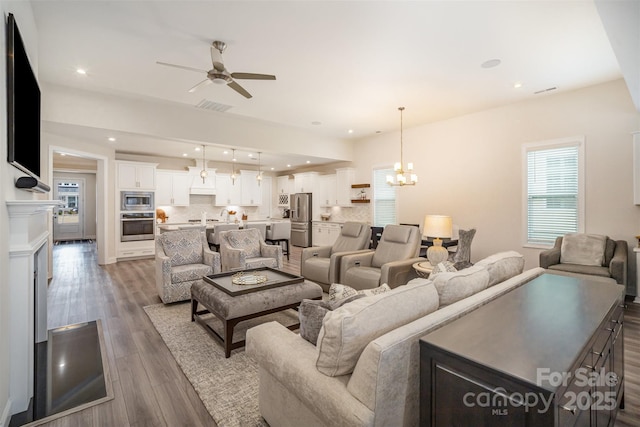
[219, 74]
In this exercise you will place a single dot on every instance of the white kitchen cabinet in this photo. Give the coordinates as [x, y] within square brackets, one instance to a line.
[305, 182]
[283, 189]
[344, 178]
[172, 188]
[251, 193]
[324, 233]
[327, 190]
[136, 175]
[228, 193]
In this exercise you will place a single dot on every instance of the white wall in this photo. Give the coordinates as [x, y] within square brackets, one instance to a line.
[8, 174]
[470, 166]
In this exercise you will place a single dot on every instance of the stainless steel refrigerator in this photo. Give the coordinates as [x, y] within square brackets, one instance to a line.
[301, 213]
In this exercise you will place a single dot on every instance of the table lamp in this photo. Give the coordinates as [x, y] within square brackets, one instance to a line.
[438, 227]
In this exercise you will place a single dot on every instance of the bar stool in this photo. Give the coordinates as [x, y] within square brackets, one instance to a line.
[214, 238]
[278, 233]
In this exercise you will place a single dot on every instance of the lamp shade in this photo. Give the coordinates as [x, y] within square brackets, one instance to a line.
[437, 226]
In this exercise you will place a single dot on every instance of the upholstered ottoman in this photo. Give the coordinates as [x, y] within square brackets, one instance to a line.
[232, 309]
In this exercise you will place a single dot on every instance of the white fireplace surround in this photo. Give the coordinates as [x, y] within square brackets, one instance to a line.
[28, 254]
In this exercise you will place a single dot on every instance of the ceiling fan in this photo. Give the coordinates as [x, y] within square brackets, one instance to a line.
[219, 74]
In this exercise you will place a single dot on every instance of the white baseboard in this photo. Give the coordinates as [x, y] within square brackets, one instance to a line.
[6, 414]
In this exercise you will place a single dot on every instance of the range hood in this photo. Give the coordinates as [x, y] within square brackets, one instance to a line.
[208, 187]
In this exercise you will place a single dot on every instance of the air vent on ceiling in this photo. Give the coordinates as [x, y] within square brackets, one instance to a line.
[205, 104]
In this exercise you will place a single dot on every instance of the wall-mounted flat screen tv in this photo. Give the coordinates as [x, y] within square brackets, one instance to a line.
[23, 105]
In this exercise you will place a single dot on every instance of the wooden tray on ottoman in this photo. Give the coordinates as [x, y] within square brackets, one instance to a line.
[232, 303]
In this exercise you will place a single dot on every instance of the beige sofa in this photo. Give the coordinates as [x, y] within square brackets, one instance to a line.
[382, 389]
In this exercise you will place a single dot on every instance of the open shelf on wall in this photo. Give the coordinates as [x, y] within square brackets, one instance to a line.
[360, 201]
[360, 185]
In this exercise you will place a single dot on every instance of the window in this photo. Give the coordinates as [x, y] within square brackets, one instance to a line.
[384, 198]
[554, 190]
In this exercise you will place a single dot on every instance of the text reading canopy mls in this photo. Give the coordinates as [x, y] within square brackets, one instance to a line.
[23, 105]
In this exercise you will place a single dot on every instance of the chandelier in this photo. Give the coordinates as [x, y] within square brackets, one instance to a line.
[402, 177]
[203, 172]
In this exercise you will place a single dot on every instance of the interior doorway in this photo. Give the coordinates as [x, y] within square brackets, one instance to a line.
[69, 219]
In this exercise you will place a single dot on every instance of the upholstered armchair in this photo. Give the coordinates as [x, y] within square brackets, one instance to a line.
[587, 255]
[182, 258]
[390, 263]
[244, 249]
[321, 264]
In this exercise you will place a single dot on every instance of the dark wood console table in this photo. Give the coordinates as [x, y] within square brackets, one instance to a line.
[503, 364]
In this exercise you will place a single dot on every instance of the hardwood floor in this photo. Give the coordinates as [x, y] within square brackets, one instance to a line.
[149, 387]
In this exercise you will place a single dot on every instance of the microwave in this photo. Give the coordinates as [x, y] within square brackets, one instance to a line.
[136, 201]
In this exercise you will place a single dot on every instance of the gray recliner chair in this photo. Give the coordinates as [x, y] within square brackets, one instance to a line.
[321, 264]
[390, 263]
[572, 263]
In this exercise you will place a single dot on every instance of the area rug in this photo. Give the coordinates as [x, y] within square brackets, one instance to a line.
[227, 387]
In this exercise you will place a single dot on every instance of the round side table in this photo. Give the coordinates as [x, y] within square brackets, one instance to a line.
[423, 269]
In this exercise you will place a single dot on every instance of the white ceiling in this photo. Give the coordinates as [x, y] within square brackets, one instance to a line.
[346, 64]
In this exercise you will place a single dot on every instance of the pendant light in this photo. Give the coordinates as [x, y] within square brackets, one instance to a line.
[259, 177]
[233, 167]
[203, 172]
[402, 178]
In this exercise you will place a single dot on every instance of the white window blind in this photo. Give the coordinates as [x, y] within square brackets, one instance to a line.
[384, 198]
[553, 192]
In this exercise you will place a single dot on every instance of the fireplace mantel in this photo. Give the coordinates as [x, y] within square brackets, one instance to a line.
[28, 265]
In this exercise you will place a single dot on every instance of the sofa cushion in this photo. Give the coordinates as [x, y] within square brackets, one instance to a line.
[453, 287]
[182, 247]
[338, 291]
[592, 270]
[583, 249]
[248, 240]
[312, 312]
[347, 330]
[502, 266]
[317, 269]
[189, 272]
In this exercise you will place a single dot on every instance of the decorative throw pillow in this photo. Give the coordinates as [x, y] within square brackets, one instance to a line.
[443, 267]
[338, 291]
[312, 312]
[583, 249]
[502, 266]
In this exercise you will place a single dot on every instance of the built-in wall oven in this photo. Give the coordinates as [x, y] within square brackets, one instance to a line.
[136, 201]
[136, 226]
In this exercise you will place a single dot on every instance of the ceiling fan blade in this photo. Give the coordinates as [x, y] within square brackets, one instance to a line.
[235, 86]
[183, 67]
[253, 76]
[202, 83]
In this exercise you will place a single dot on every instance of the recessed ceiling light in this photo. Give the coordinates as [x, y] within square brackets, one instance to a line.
[273, 168]
[63, 154]
[491, 63]
[197, 149]
[308, 161]
[250, 154]
[350, 131]
[316, 123]
[184, 154]
[111, 139]
[225, 152]
[517, 85]
[81, 71]
[288, 166]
